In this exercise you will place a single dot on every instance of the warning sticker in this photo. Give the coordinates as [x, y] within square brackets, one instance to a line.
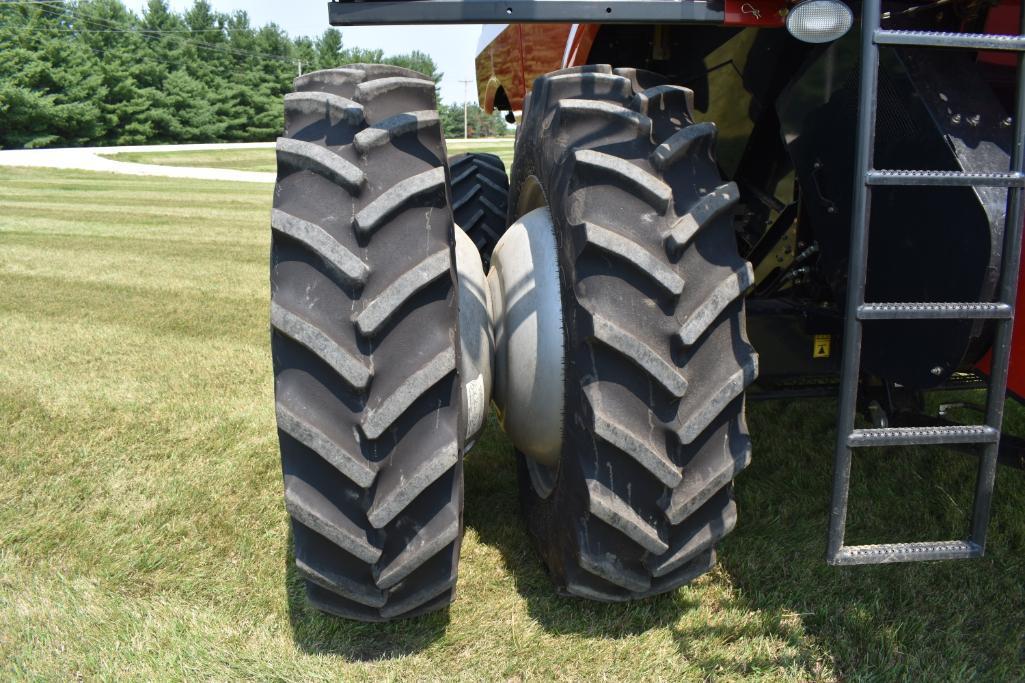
[820, 349]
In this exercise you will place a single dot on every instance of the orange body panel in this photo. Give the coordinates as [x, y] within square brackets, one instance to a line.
[517, 55]
[581, 39]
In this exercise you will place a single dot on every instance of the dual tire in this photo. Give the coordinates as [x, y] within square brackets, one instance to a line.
[480, 188]
[372, 372]
[364, 315]
[656, 352]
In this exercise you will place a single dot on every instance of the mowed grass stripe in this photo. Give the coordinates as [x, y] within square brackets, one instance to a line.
[141, 201]
[503, 149]
[189, 248]
[15, 176]
[156, 188]
[150, 189]
[135, 208]
[143, 533]
[236, 232]
[159, 267]
[263, 159]
[136, 390]
[142, 212]
[115, 492]
[185, 314]
[243, 159]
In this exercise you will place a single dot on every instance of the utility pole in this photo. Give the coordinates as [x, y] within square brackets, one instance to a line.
[466, 100]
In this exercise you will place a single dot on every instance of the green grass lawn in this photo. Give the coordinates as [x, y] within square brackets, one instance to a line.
[143, 533]
[263, 159]
[242, 159]
[503, 149]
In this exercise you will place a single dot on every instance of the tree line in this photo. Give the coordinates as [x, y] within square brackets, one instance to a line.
[91, 72]
[479, 123]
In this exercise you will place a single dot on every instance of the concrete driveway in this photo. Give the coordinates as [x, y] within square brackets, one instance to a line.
[89, 159]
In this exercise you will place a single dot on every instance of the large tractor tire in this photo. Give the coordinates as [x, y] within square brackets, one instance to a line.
[364, 310]
[634, 306]
[480, 188]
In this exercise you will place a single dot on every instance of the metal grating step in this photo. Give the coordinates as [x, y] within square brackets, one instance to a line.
[884, 553]
[922, 436]
[971, 41]
[909, 178]
[933, 311]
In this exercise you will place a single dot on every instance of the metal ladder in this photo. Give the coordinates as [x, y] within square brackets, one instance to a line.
[857, 310]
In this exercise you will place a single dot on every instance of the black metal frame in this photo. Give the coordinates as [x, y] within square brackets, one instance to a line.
[365, 12]
[857, 310]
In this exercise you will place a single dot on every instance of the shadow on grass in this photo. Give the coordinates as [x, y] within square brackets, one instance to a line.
[315, 632]
[951, 620]
[492, 510]
[948, 619]
[960, 620]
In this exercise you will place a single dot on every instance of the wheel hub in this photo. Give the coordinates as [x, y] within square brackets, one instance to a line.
[529, 342]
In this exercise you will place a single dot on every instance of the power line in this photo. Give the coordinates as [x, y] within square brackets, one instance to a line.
[145, 33]
[466, 99]
[72, 29]
[54, 4]
[152, 30]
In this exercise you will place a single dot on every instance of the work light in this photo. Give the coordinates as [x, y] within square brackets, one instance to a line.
[819, 21]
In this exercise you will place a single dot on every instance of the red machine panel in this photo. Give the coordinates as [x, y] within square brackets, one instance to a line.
[767, 13]
[1016, 379]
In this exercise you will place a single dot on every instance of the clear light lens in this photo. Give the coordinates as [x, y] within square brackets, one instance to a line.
[819, 21]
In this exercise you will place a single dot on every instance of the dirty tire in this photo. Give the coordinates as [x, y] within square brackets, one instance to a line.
[480, 188]
[656, 352]
[365, 343]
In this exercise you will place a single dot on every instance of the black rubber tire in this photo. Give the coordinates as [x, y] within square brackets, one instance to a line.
[480, 189]
[364, 317]
[656, 351]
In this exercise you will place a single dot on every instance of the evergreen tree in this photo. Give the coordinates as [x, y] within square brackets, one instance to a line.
[479, 124]
[329, 49]
[88, 72]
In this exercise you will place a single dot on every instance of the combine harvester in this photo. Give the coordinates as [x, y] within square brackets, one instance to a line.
[705, 193]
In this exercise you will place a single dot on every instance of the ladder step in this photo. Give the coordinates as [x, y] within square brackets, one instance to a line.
[922, 436]
[933, 311]
[910, 178]
[884, 553]
[971, 41]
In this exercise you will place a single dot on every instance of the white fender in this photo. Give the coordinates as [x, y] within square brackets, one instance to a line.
[527, 308]
[476, 339]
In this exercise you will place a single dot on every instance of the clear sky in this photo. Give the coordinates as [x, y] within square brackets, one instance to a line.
[452, 47]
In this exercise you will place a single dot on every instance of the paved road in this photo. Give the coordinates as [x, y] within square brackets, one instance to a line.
[89, 159]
